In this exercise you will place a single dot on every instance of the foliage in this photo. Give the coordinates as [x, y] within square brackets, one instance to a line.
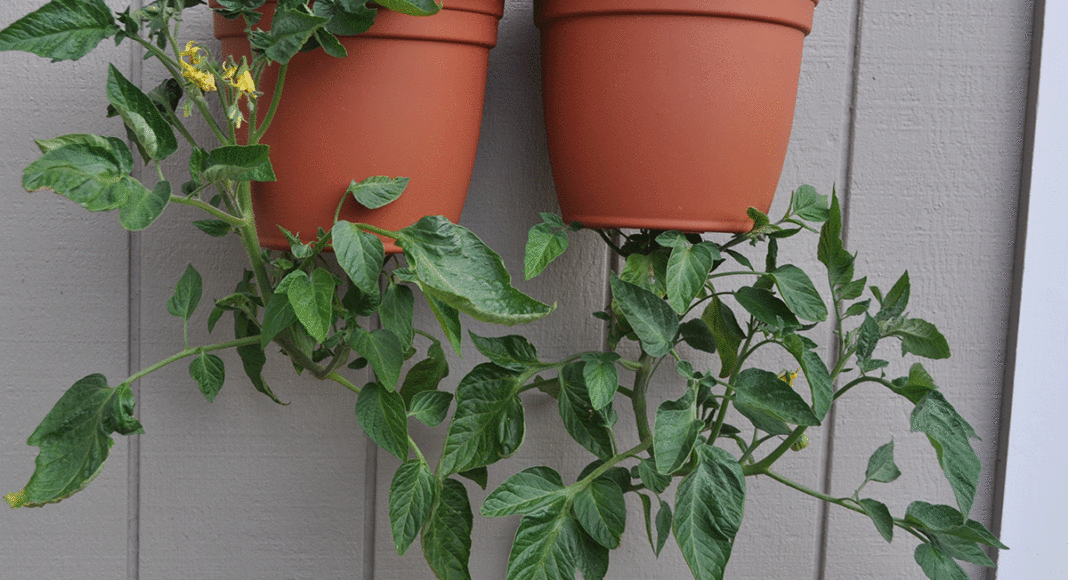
[679, 298]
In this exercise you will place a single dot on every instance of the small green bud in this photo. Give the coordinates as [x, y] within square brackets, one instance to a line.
[800, 444]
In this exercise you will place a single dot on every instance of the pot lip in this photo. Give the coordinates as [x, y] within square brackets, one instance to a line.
[491, 7]
[793, 13]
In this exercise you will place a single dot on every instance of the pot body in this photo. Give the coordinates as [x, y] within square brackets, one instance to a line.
[406, 102]
[669, 114]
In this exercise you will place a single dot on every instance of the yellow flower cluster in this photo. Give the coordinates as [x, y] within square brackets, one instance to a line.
[192, 71]
[243, 81]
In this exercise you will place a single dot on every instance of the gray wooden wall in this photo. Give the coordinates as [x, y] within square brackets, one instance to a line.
[913, 110]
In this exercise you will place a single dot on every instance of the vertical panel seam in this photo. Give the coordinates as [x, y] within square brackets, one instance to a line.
[826, 477]
[133, 362]
[370, 494]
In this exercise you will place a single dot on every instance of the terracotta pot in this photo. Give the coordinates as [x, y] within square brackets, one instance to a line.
[669, 114]
[407, 102]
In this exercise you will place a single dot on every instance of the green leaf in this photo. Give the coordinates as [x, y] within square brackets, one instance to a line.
[329, 43]
[921, 338]
[252, 356]
[525, 492]
[592, 557]
[675, 431]
[709, 506]
[648, 271]
[456, 268]
[512, 352]
[896, 300]
[449, 320]
[209, 372]
[239, 163]
[143, 206]
[949, 522]
[766, 308]
[397, 313]
[430, 407]
[655, 323]
[360, 254]
[290, 30]
[949, 434]
[831, 251]
[543, 246]
[881, 466]
[384, 351]
[485, 400]
[347, 17]
[601, 377]
[61, 29]
[766, 392]
[799, 293]
[187, 294]
[479, 475]
[92, 171]
[547, 546]
[601, 511]
[447, 536]
[763, 420]
[651, 478]
[278, 315]
[74, 439]
[140, 114]
[938, 565]
[687, 269]
[312, 299]
[720, 320]
[916, 385]
[816, 374]
[589, 427]
[809, 205]
[696, 333]
[426, 374]
[411, 499]
[880, 516]
[380, 412]
[378, 191]
[412, 7]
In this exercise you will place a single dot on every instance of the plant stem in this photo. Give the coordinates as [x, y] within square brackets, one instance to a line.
[255, 135]
[190, 352]
[778, 452]
[343, 382]
[638, 396]
[232, 220]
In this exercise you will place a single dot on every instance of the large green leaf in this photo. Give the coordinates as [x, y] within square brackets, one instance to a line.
[652, 319]
[430, 407]
[766, 308]
[290, 30]
[74, 438]
[938, 565]
[397, 313]
[589, 427]
[384, 351]
[448, 318]
[187, 293]
[949, 433]
[61, 29]
[426, 374]
[799, 293]
[239, 163]
[547, 546]
[209, 372]
[675, 431]
[411, 499]
[687, 268]
[601, 511]
[513, 352]
[525, 492]
[881, 466]
[709, 506]
[816, 373]
[92, 171]
[378, 191]
[347, 17]
[456, 268]
[312, 299]
[140, 114]
[601, 377]
[765, 391]
[144, 206]
[277, 316]
[726, 333]
[360, 254]
[808, 204]
[381, 414]
[921, 338]
[447, 536]
[486, 400]
[880, 516]
[948, 521]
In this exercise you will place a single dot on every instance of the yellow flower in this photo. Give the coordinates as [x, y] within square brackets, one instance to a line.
[16, 499]
[788, 377]
[245, 84]
[204, 80]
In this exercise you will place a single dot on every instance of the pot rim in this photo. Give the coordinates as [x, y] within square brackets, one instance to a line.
[793, 13]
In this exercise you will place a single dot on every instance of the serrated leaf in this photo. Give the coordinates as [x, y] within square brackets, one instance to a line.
[457, 269]
[360, 254]
[709, 507]
[384, 351]
[329, 43]
[75, 437]
[921, 338]
[380, 412]
[61, 29]
[881, 466]
[289, 32]
[430, 407]
[426, 374]
[378, 191]
[238, 163]
[411, 499]
[896, 300]
[513, 352]
[187, 294]
[808, 204]
[830, 251]
[766, 392]
[543, 246]
[949, 434]
[209, 372]
[601, 511]
[687, 269]
[589, 427]
[799, 294]
[675, 431]
[93, 172]
[652, 319]
[937, 565]
[525, 492]
[485, 397]
[447, 536]
[880, 516]
[601, 377]
[547, 546]
[141, 116]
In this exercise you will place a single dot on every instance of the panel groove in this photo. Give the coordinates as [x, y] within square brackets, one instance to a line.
[133, 449]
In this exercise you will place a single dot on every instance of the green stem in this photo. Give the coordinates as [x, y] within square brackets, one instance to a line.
[343, 382]
[778, 452]
[254, 136]
[190, 352]
[638, 396]
[611, 462]
[214, 211]
[250, 239]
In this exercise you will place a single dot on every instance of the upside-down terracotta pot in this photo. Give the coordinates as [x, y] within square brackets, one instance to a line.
[406, 102]
[669, 114]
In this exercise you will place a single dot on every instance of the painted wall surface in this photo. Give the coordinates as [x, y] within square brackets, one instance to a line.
[913, 111]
